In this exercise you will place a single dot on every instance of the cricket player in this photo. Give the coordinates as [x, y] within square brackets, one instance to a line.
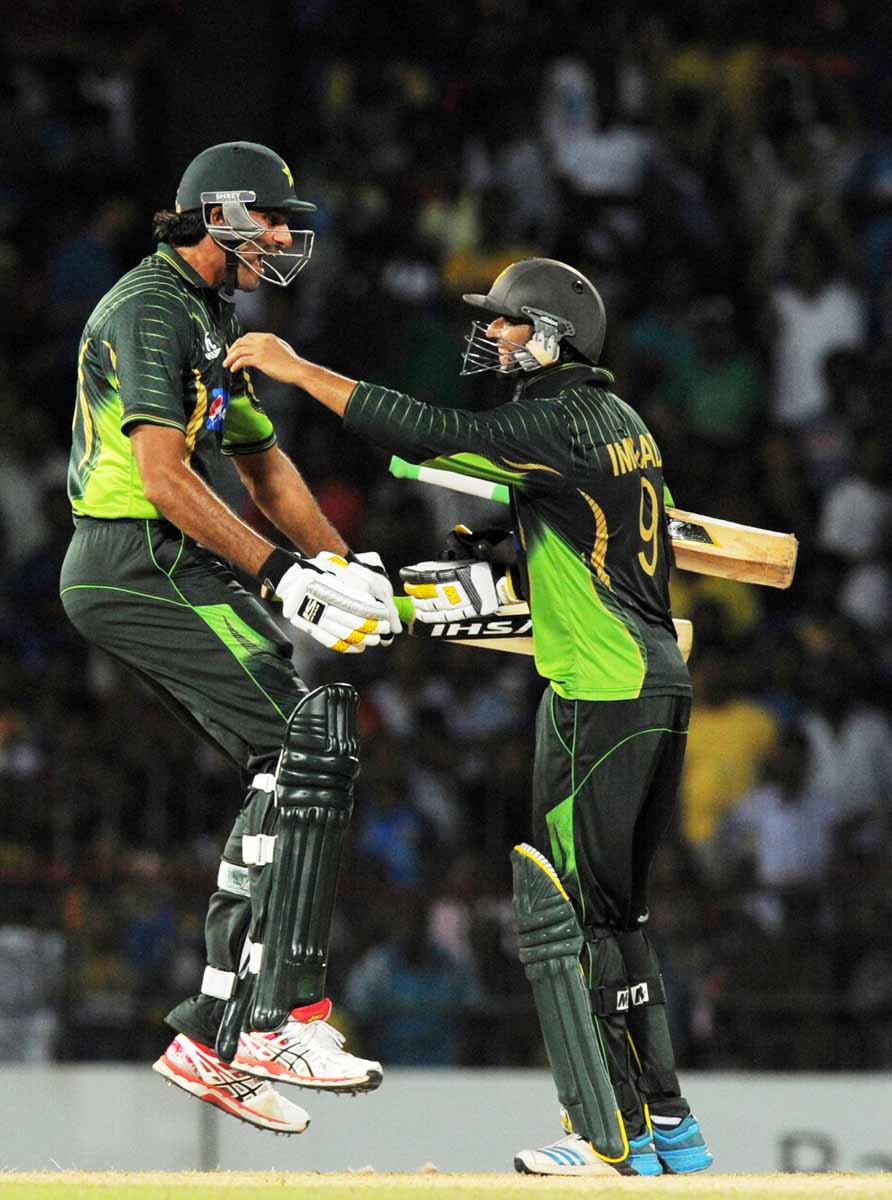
[149, 578]
[592, 558]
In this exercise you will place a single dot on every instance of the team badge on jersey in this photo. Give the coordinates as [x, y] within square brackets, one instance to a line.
[217, 411]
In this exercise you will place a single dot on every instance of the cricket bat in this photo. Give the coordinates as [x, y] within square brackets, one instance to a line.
[509, 629]
[706, 545]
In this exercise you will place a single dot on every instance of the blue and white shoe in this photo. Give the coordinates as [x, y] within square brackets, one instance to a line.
[572, 1155]
[680, 1147]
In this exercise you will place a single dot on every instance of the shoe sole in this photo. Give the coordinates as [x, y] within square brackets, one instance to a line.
[339, 1087]
[201, 1091]
[685, 1162]
[577, 1172]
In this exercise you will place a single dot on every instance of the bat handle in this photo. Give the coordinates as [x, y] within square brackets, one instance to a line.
[400, 469]
[405, 608]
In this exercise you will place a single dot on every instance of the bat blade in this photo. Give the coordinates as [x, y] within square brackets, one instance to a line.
[711, 546]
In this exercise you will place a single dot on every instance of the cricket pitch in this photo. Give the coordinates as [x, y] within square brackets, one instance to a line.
[369, 1185]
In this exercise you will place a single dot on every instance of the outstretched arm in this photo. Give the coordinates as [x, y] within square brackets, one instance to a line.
[275, 358]
[520, 437]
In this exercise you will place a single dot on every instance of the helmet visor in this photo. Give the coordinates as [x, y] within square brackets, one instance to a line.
[484, 353]
[241, 233]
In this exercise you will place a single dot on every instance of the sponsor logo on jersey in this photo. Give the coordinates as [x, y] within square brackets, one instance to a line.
[217, 411]
[211, 348]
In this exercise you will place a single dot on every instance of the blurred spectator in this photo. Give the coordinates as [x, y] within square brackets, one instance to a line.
[850, 749]
[729, 737]
[716, 392]
[32, 962]
[855, 521]
[410, 994]
[393, 836]
[779, 838]
[816, 311]
[828, 440]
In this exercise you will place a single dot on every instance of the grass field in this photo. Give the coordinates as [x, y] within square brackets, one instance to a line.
[79, 1185]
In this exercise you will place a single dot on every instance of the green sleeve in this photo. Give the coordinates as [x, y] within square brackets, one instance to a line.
[145, 352]
[248, 429]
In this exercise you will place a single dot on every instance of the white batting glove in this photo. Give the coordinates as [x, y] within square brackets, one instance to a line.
[365, 571]
[455, 590]
[321, 597]
[369, 566]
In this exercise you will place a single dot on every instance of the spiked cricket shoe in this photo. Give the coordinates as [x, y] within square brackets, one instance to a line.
[307, 1052]
[197, 1070]
[572, 1155]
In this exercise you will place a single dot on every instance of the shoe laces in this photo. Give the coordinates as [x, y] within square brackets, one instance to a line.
[325, 1035]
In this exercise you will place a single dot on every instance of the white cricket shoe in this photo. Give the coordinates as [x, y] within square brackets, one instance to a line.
[197, 1069]
[307, 1052]
[572, 1155]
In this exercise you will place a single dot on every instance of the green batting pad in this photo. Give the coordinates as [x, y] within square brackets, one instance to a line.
[550, 942]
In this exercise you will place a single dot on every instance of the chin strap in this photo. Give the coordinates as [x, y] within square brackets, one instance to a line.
[230, 277]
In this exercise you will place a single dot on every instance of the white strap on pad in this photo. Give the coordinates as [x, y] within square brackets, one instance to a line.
[217, 983]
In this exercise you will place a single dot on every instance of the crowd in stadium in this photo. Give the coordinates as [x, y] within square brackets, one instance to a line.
[728, 188]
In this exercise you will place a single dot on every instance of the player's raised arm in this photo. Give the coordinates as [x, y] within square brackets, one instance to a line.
[274, 357]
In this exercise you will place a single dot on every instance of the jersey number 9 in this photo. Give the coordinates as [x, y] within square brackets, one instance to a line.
[647, 528]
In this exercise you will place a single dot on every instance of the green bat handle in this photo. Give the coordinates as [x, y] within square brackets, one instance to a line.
[405, 608]
[452, 479]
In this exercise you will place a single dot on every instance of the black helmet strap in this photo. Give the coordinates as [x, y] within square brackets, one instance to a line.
[230, 276]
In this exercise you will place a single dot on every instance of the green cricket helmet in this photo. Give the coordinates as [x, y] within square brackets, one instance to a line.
[557, 300]
[237, 177]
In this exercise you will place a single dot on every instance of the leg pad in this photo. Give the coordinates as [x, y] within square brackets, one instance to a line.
[314, 803]
[550, 944]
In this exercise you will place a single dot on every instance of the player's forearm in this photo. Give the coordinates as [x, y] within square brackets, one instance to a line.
[326, 386]
[274, 357]
[185, 500]
[281, 494]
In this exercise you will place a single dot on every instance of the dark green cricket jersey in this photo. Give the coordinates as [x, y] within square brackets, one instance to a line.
[587, 493]
[152, 351]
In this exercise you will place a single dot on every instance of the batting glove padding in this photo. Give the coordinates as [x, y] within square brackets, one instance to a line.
[332, 600]
[369, 567]
[455, 591]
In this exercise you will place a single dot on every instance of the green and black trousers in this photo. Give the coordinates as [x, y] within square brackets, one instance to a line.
[175, 615]
[605, 788]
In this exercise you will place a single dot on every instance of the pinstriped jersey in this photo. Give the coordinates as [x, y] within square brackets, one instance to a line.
[587, 492]
[152, 351]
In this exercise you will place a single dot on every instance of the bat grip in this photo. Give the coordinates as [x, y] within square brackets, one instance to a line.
[405, 608]
[400, 469]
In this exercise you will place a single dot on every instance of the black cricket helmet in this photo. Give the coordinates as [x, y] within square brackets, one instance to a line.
[237, 177]
[556, 299]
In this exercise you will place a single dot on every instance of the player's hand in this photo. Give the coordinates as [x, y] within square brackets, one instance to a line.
[370, 568]
[446, 591]
[323, 598]
[493, 545]
[264, 352]
[365, 570]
